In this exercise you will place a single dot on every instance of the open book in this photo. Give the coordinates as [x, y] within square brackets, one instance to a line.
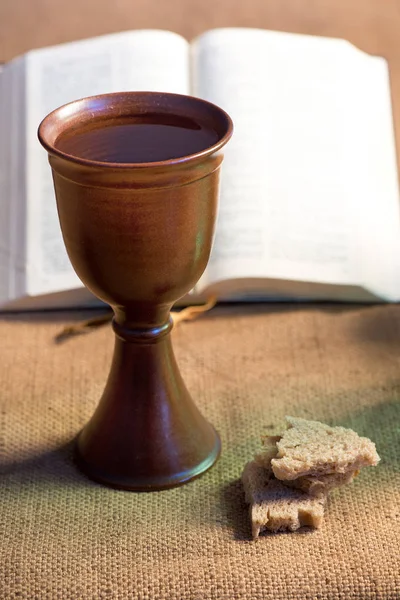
[309, 190]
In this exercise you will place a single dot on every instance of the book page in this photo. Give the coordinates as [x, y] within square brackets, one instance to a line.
[309, 187]
[12, 181]
[142, 60]
[5, 159]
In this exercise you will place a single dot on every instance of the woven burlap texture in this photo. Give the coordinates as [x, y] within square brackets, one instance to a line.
[64, 537]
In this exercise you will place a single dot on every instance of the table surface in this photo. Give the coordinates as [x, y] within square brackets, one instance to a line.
[247, 367]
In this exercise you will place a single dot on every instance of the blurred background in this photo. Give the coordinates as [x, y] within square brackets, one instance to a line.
[25, 24]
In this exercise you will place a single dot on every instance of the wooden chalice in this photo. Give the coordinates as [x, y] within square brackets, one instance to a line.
[136, 180]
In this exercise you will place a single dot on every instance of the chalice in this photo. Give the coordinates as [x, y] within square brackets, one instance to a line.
[136, 181]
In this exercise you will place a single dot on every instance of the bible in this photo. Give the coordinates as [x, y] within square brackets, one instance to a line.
[309, 189]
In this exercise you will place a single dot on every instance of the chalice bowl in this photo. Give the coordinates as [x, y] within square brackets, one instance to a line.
[136, 180]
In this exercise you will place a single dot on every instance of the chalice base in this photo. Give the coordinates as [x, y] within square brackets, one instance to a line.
[146, 433]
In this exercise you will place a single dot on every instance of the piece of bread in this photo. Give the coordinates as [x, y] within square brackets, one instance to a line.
[276, 507]
[288, 482]
[310, 484]
[309, 451]
[322, 483]
[269, 452]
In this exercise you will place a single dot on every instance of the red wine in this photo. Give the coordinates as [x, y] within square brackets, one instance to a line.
[153, 138]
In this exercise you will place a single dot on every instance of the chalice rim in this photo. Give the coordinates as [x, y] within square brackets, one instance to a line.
[155, 98]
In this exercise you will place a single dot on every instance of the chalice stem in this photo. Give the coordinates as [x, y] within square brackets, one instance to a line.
[146, 433]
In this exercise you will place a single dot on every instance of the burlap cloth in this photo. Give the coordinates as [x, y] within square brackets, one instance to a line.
[63, 536]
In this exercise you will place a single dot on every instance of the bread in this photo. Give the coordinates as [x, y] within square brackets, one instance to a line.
[309, 449]
[276, 507]
[269, 452]
[287, 483]
[322, 483]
